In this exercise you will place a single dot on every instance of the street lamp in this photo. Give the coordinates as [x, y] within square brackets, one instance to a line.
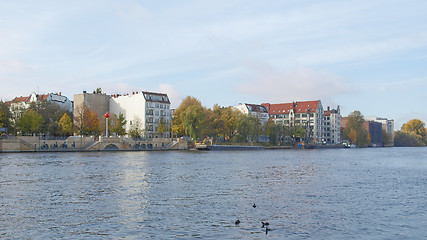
[106, 123]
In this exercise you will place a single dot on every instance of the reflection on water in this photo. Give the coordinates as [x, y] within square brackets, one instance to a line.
[328, 194]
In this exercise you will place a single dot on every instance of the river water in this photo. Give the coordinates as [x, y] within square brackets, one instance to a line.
[373, 193]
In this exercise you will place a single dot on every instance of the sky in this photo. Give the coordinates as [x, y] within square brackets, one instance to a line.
[369, 56]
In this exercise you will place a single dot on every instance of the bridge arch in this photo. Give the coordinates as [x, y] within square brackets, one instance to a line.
[111, 147]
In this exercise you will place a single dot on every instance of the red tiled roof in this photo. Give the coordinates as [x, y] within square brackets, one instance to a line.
[20, 99]
[298, 107]
[327, 113]
[42, 97]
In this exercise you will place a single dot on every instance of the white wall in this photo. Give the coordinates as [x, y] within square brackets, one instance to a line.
[131, 106]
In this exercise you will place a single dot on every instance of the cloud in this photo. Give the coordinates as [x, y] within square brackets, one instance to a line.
[276, 85]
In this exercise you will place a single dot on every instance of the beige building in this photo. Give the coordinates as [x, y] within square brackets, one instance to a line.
[99, 103]
[307, 114]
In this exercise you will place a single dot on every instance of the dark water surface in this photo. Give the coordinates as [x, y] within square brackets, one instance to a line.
[315, 194]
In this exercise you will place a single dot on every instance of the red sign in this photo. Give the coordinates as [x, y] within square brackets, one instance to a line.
[107, 115]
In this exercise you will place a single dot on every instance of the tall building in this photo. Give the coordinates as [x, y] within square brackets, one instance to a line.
[258, 111]
[97, 102]
[332, 126]
[144, 110]
[307, 114]
[387, 125]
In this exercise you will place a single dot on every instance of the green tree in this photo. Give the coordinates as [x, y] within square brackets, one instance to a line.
[97, 91]
[136, 130]
[230, 119]
[192, 119]
[407, 139]
[5, 115]
[30, 122]
[51, 113]
[117, 124]
[248, 128]
[385, 138]
[162, 127]
[178, 116]
[357, 133]
[66, 125]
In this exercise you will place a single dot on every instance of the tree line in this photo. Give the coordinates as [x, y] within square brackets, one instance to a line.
[227, 124]
[224, 124]
[48, 119]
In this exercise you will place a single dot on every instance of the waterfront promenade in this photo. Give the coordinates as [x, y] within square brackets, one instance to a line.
[79, 143]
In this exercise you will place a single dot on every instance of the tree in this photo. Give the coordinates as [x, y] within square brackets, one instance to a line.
[91, 123]
[386, 138]
[30, 122]
[97, 91]
[86, 122]
[66, 125]
[162, 127]
[192, 119]
[229, 118]
[407, 139]
[117, 124]
[357, 133]
[5, 115]
[248, 128]
[417, 127]
[51, 113]
[136, 130]
[178, 118]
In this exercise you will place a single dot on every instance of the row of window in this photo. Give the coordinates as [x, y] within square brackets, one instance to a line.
[157, 105]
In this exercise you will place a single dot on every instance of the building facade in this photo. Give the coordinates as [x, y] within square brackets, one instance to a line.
[307, 114]
[145, 111]
[96, 102]
[332, 126]
[375, 133]
[387, 125]
[258, 111]
[19, 104]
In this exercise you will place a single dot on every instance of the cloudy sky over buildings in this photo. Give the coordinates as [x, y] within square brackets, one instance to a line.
[369, 56]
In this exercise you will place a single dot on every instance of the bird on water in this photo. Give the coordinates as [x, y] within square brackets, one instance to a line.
[237, 222]
[265, 224]
[254, 205]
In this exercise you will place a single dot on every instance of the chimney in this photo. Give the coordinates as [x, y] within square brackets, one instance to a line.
[328, 108]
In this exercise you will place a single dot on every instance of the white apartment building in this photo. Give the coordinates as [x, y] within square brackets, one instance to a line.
[387, 125]
[19, 104]
[332, 126]
[307, 114]
[146, 110]
[258, 111]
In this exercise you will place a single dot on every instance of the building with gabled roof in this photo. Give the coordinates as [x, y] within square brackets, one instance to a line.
[307, 114]
[258, 111]
[19, 104]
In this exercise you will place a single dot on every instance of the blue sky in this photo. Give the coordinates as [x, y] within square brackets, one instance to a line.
[369, 56]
